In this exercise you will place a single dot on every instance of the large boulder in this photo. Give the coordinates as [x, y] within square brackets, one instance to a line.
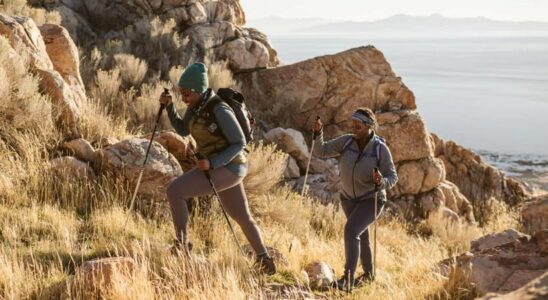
[81, 148]
[505, 267]
[65, 58]
[183, 148]
[205, 25]
[320, 275]
[125, 159]
[71, 168]
[534, 214]
[477, 180]
[445, 196]
[330, 86]
[244, 53]
[66, 96]
[291, 142]
[419, 176]
[406, 135]
[536, 289]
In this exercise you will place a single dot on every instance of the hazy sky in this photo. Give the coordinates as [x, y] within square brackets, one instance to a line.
[362, 10]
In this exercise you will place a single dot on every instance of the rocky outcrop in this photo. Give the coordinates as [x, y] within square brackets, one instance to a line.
[537, 289]
[58, 73]
[514, 260]
[125, 159]
[72, 169]
[291, 142]
[183, 148]
[332, 87]
[477, 180]
[534, 214]
[320, 275]
[211, 25]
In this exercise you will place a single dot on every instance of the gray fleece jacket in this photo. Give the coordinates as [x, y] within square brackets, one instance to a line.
[356, 167]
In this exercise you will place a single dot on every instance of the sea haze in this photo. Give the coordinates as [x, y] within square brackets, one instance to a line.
[485, 86]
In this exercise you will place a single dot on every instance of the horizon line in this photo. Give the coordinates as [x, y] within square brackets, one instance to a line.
[395, 15]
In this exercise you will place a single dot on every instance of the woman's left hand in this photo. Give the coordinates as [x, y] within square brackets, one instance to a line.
[203, 164]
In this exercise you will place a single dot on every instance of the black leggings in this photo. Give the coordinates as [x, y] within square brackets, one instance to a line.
[359, 215]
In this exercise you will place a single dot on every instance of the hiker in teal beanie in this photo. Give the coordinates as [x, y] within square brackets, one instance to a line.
[194, 78]
[222, 156]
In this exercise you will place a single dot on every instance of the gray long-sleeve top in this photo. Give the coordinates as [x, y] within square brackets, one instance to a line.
[226, 120]
[356, 167]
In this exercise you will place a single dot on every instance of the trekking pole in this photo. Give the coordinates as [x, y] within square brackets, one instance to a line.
[208, 176]
[162, 107]
[376, 171]
[309, 159]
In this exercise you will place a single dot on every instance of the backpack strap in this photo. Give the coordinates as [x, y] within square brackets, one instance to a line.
[378, 141]
[376, 153]
[347, 145]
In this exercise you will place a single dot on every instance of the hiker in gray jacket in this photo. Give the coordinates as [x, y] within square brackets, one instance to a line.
[221, 146]
[359, 154]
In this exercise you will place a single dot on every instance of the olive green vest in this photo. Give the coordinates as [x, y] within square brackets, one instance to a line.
[210, 144]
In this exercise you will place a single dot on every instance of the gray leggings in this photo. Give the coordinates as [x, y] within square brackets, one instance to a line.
[359, 215]
[231, 192]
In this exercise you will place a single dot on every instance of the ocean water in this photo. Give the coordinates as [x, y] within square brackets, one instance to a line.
[487, 93]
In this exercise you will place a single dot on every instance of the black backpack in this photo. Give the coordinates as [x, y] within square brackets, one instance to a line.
[236, 101]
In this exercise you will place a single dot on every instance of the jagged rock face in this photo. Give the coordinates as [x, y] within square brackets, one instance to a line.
[505, 267]
[65, 58]
[537, 289]
[534, 214]
[477, 180]
[183, 148]
[58, 73]
[331, 86]
[207, 25]
[125, 159]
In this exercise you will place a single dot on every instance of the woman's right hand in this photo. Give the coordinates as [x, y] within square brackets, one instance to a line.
[317, 127]
[165, 98]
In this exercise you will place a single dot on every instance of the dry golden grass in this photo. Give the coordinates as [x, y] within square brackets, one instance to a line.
[50, 224]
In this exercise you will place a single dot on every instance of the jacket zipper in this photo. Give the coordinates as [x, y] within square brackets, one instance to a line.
[353, 169]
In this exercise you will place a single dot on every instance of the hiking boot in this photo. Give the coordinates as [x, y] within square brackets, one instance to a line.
[365, 278]
[179, 247]
[265, 264]
[346, 282]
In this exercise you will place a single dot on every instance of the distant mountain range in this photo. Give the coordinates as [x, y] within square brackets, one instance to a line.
[397, 23]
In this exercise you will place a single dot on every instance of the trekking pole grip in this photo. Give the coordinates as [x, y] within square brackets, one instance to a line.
[314, 132]
[376, 171]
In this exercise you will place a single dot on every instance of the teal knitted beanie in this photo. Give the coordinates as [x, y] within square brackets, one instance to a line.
[195, 78]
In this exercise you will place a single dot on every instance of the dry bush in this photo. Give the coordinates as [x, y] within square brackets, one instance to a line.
[21, 103]
[96, 122]
[266, 167]
[175, 74]
[495, 215]
[41, 227]
[145, 108]
[454, 235]
[106, 88]
[220, 75]
[132, 69]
